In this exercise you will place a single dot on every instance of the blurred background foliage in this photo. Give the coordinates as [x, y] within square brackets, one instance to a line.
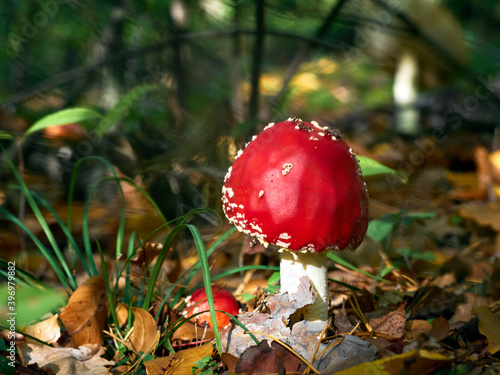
[224, 69]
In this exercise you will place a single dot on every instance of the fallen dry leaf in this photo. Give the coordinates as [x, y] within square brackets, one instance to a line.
[121, 313]
[392, 323]
[85, 315]
[145, 334]
[189, 330]
[281, 307]
[489, 326]
[440, 328]
[84, 360]
[229, 361]
[47, 330]
[350, 352]
[485, 214]
[415, 328]
[181, 362]
[265, 359]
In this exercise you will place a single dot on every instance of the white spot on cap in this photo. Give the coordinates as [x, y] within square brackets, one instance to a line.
[228, 190]
[286, 168]
[285, 245]
[315, 123]
[261, 193]
[268, 126]
[228, 174]
[256, 227]
[285, 236]
[241, 206]
[238, 154]
[312, 138]
[321, 134]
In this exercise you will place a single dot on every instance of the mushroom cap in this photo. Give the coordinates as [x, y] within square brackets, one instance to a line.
[298, 186]
[223, 300]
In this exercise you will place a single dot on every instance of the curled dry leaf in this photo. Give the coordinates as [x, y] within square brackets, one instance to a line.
[47, 330]
[85, 315]
[145, 334]
[84, 360]
[181, 362]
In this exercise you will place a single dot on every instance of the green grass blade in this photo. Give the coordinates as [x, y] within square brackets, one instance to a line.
[45, 252]
[239, 269]
[200, 246]
[86, 239]
[43, 223]
[161, 257]
[127, 293]
[24, 278]
[69, 236]
[346, 264]
[189, 273]
[109, 294]
[241, 325]
[159, 261]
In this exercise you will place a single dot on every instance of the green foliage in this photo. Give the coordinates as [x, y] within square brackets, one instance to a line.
[30, 303]
[206, 366]
[124, 105]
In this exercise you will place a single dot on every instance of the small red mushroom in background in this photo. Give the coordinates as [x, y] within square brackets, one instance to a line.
[299, 186]
[223, 301]
[68, 132]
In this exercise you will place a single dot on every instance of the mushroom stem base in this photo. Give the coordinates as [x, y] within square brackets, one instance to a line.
[293, 266]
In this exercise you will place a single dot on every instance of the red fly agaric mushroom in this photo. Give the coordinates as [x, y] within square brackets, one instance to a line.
[223, 301]
[299, 186]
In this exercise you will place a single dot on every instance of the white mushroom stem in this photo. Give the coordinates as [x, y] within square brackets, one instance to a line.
[296, 264]
[405, 93]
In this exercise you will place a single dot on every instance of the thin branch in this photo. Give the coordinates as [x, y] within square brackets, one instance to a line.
[84, 71]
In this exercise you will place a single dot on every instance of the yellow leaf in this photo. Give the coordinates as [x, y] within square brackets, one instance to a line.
[419, 362]
[489, 325]
[181, 362]
[145, 334]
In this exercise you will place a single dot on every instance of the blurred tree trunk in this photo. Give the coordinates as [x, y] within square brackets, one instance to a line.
[236, 97]
[178, 17]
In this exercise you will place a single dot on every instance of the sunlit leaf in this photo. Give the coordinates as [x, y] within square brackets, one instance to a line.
[370, 167]
[64, 117]
[85, 315]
